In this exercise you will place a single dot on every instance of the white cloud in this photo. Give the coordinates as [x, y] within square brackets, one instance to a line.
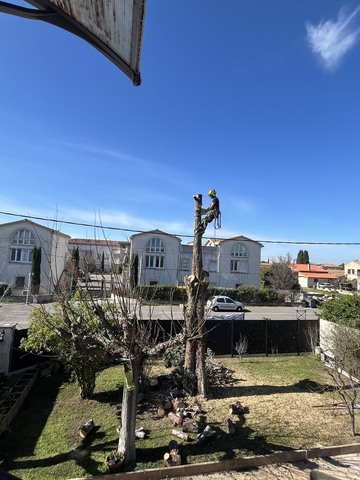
[331, 40]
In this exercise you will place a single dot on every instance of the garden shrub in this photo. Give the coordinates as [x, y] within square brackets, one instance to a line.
[248, 294]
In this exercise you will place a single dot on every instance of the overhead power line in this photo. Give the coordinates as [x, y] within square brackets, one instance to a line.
[121, 229]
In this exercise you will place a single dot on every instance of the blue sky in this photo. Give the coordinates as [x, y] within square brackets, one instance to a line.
[257, 99]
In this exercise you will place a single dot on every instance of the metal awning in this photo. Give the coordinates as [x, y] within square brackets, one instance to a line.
[114, 27]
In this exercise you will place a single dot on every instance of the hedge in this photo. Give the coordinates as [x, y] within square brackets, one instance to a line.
[248, 294]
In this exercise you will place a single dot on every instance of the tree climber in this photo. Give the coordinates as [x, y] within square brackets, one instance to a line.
[212, 212]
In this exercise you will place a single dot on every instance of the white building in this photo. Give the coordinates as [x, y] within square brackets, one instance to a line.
[17, 242]
[92, 252]
[163, 259]
[352, 271]
[158, 256]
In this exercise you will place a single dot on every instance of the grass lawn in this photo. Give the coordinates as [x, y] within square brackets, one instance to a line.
[282, 394]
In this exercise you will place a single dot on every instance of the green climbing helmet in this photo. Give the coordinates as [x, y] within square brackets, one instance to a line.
[212, 193]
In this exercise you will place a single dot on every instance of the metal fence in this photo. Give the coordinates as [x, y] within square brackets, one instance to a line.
[263, 337]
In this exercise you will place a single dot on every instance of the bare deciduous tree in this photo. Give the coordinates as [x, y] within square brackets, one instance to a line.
[344, 369]
[241, 346]
[195, 381]
[282, 277]
[108, 329]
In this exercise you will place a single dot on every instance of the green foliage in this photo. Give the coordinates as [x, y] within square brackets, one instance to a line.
[264, 281]
[344, 310]
[174, 358]
[75, 255]
[248, 294]
[167, 293]
[254, 295]
[36, 270]
[302, 257]
[52, 333]
[73, 266]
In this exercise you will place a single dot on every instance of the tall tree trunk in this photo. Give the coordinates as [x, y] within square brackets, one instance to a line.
[196, 286]
[127, 437]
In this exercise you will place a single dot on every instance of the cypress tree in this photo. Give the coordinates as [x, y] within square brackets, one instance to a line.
[134, 270]
[36, 270]
[300, 257]
[102, 262]
[75, 266]
[306, 258]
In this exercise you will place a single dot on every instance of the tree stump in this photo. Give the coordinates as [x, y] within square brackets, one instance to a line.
[167, 404]
[195, 409]
[178, 404]
[164, 407]
[192, 427]
[173, 458]
[160, 410]
[175, 419]
[182, 435]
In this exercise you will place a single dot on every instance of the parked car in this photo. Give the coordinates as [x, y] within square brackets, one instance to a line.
[326, 285]
[220, 302]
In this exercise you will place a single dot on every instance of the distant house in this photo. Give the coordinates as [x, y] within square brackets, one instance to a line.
[309, 276]
[352, 271]
[17, 242]
[163, 259]
[93, 253]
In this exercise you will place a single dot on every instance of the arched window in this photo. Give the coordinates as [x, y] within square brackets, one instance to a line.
[239, 250]
[238, 262]
[155, 245]
[156, 253]
[22, 239]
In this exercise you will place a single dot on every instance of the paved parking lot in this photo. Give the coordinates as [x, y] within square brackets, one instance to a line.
[16, 314]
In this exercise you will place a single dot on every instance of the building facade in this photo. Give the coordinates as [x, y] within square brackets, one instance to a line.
[352, 272]
[95, 254]
[163, 259]
[309, 276]
[17, 242]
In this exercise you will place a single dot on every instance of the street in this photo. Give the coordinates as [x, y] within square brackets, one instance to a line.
[19, 313]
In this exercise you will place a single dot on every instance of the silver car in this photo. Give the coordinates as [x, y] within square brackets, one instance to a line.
[224, 303]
